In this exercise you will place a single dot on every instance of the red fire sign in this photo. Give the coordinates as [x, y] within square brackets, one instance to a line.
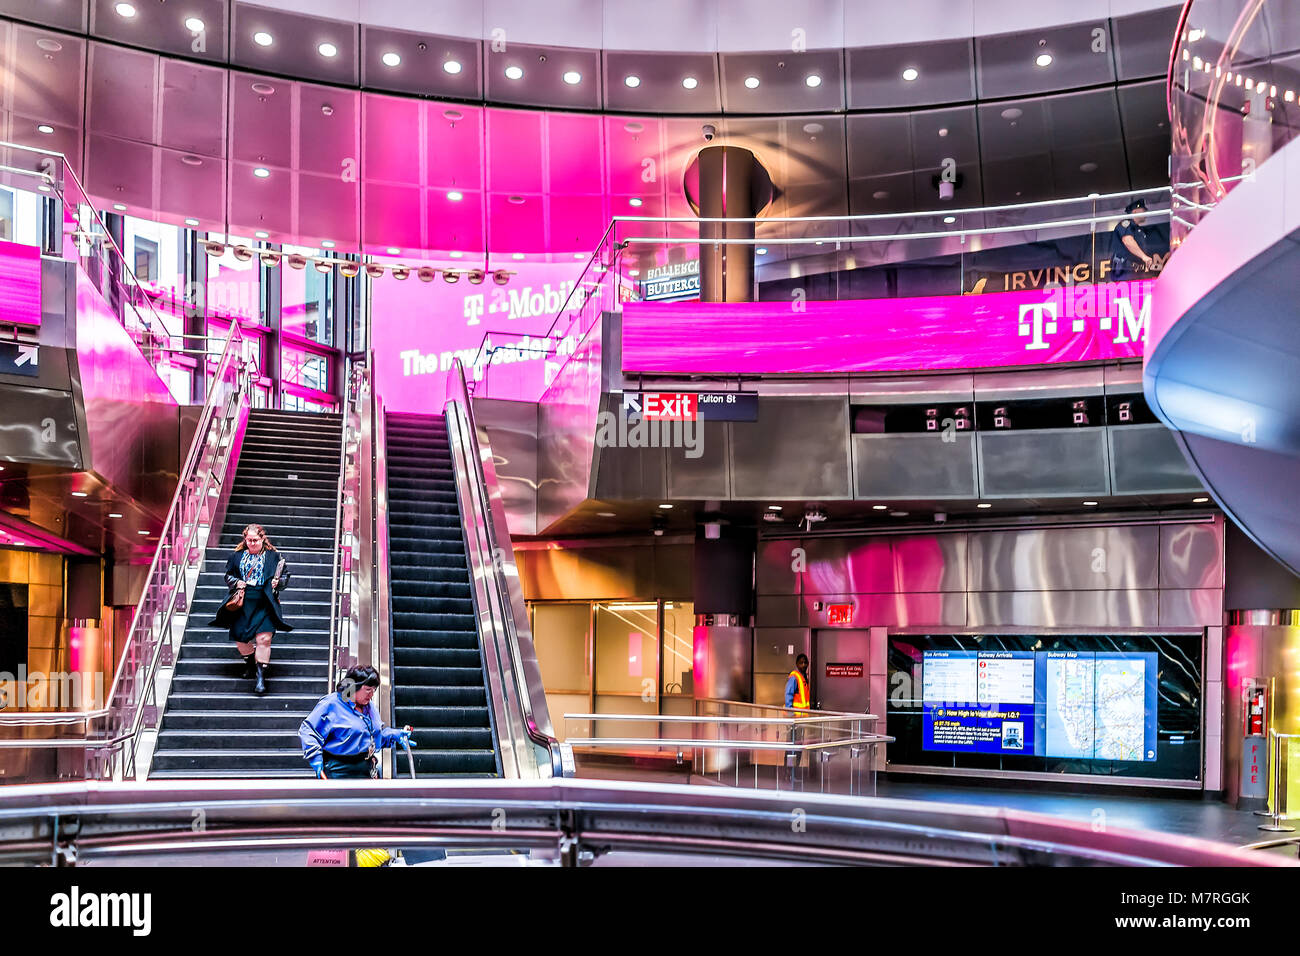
[839, 614]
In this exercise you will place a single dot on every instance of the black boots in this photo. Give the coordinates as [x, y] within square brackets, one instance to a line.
[260, 687]
[250, 667]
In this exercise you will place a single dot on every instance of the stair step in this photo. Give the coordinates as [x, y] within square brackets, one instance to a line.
[172, 741]
[155, 774]
[404, 676]
[300, 704]
[232, 759]
[215, 720]
[313, 671]
[437, 656]
[275, 684]
[446, 696]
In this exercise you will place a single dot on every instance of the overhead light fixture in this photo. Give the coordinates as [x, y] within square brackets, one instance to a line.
[214, 248]
[761, 250]
[323, 266]
[880, 507]
[605, 514]
[690, 82]
[261, 172]
[80, 494]
[573, 77]
[327, 243]
[327, 49]
[270, 258]
[1094, 195]
[455, 255]
[296, 261]
[391, 59]
[514, 73]
[120, 207]
[242, 253]
[194, 24]
[773, 507]
[262, 38]
[949, 220]
[898, 514]
[393, 251]
[634, 202]
[191, 222]
[455, 195]
[142, 532]
[501, 277]
[1199, 501]
[910, 74]
[261, 234]
[666, 507]
[125, 10]
[476, 276]
[751, 82]
[813, 80]
[114, 514]
[632, 82]
[516, 255]
[374, 270]
[1043, 59]
[45, 128]
[579, 255]
[983, 504]
[451, 66]
[634, 272]
[1090, 504]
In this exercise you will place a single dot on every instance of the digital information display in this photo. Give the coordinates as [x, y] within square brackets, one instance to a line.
[1083, 705]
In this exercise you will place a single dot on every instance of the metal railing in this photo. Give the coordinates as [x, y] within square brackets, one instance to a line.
[527, 744]
[833, 250]
[749, 745]
[110, 734]
[344, 627]
[562, 822]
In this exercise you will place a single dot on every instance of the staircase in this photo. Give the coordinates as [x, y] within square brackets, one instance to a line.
[438, 685]
[213, 725]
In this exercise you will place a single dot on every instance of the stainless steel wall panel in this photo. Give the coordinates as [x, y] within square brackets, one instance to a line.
[1145, 459]
[674, 567]
[1200, 607]
[1065, 559]
[930, 562]
[630, 473]
[837, 387]
[914, 466]
[775, 648]
[511, 432]
[774, 610]
[890, 609]
[774, 573]
[798, 448]
[907, 391]
[569, 574]
[857, 565]
[1037, 383]
[1122, 378]
[1043, 463]
[1191, 555]
[567, 416]
[705, 476]
[1090, 609]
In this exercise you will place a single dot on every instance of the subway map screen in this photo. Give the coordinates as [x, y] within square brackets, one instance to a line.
[1118, 705]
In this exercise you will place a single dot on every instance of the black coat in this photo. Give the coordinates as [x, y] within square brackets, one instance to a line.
[226, 617]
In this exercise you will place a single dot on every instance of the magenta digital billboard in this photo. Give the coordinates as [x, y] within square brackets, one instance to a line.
[20, 282]
[1000, 330]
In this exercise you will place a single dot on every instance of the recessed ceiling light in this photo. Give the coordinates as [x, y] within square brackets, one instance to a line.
[1199, 501]
[910, 74]
[79, 494]
[898, 514]
[880, 194]
[632, 81]
[262, 89]
[194, 24]
[773, 507]
[1090, 503]
[690, 82]
[634, 272]
[451, 66]
[260, 234]
[751, 82]
[191, 222]
[761, 250]
[327, 243]
[327, 49]
[666, 507]
[45, 128]
[880, 507]
[516, 255]
[515, 200]
[391, 59]
[394, 251]
[514, 73]
[605, 514]
[983, 504]
[813, 80]
[573, 77]
[49, 45]
[1088, 168]
[114, 514]
[949, 220]
[1094, 195]
[262, 38]
[455, 195]
[261, 172]
[189, 159]
[125, 10]
[119, 207]
[1012, 112]
[1043, 59]
[943, 131]
[634, 202]
[142, 532]
[455, 255]
[453, 116]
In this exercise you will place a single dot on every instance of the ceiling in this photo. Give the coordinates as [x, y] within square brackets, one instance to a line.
[371, 157]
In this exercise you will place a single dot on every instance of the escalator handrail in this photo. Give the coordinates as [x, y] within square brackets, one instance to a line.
[541, 736]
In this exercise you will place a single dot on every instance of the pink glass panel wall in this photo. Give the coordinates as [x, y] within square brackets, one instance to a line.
[20, 284]
[420, 328]
[1000, 330]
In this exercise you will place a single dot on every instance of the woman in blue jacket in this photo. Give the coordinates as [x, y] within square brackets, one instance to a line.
[344, 732]
[258, 570]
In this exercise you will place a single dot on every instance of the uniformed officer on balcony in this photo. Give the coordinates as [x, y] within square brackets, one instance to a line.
[1131, 243]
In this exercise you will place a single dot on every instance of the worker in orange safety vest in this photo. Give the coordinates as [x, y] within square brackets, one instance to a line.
[797, 695]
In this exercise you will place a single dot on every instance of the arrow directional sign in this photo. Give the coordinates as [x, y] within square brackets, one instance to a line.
[16, 359]
[632, 403]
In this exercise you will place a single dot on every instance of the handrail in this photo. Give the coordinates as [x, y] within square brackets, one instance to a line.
[165, 590]
[358, 389]
[509, 604]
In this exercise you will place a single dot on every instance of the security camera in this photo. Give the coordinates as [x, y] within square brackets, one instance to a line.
[709, 132]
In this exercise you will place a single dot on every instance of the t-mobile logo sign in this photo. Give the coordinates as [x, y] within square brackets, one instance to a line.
[1036, 319]
[1039, 320]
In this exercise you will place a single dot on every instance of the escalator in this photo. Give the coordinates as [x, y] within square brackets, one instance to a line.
[213, 725]
[437, 664]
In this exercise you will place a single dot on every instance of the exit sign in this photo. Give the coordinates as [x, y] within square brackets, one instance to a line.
[839, 614]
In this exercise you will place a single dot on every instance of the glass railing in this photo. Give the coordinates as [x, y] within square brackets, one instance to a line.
[52, 210]
[104, 741]
[1042, 245]
[740, 744]
[1234, 80]
[345, 624]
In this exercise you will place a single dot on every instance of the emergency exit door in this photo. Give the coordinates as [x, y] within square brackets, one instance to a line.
[840, 670]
